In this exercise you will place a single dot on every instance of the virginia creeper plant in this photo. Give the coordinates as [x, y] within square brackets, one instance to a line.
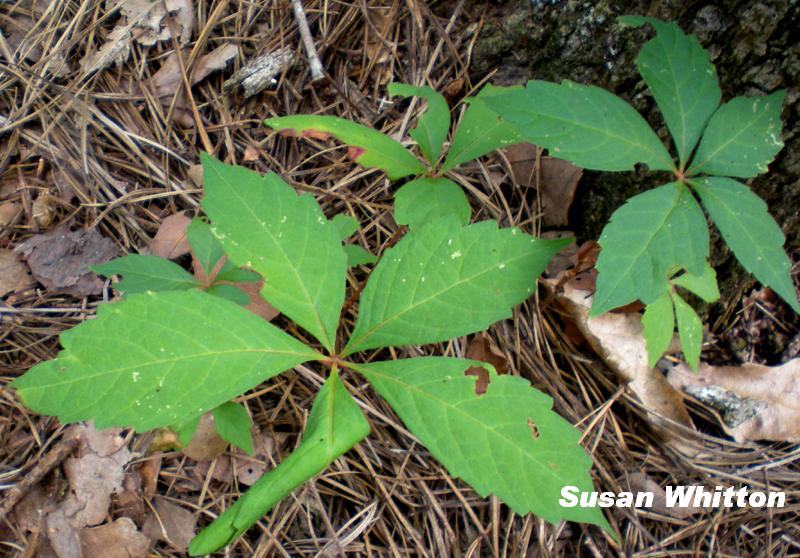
[659, 239]
[175, 347]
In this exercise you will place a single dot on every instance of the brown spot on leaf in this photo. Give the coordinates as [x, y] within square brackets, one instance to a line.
[316, 134]
[534, 429]
[355, 152]
[482, 383]
[288, 133]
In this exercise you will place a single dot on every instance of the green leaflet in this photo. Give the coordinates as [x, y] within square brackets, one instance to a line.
[263, 224]
[583, 124]
[752, 234]
[683, 81]
[233, 425]
[356, 255]
[345, 224]
[433, 125]
[238, 275]
[658, 322]
[424, 199]
[369, 148]
[703, 285]
[690, 331]
[229, 292]
[743, 136]
[205, 246]
[147, 273]
[158, 359]
[480, 130]
[425, 287]
[335, 424]
[654, 232]
[506, 442]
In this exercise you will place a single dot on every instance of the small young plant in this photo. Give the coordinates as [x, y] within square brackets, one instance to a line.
[428, 195]
[659, 239]
[175, 348]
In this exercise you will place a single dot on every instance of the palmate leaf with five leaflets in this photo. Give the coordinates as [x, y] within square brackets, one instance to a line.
[742, 137]
[752, 234]
[157, 359]
[264, 225]
[369, 148]
[652, 233]
[433, 125]
[424, 199]
[506, 441]
[425, 287]
[683, 81]
[335, 424]
[583, 124]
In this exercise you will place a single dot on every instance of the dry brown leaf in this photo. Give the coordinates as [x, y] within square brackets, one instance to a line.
[206, 443]
[169, 78]
[481, 348]
[43, 210]
[249, 469]
[63, 536]
[258, 305]
[8, 212]
[171, 241]
[149, 471]
[60, 259]
[195, 174]
[558, 180]
[94, 475]
[640, 482]
[171, 523]
[14, 274]
[251, 153]
[756, 402]
[130, 501]
[618, 340]
[120, 539]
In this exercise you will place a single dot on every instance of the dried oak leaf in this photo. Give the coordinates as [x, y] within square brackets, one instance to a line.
[171, 523]
[756, 402]
[618, 340]
[14, 274]
[171, 241]
[558, 180]
[60, 259]
[120, 539]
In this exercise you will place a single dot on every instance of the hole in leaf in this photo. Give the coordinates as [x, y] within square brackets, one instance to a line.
[534, 429]
[482, 383]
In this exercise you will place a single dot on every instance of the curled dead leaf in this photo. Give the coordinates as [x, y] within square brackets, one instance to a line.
[756, 402]
[171, 241]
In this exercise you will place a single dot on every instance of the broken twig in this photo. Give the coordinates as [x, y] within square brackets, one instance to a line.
[314, 63]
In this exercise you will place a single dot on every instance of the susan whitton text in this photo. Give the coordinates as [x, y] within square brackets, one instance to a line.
[680, 496]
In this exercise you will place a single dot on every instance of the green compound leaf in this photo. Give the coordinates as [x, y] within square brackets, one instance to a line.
[654, 232]
[158, 359]
[356, 255]
[345, 224]
[205, 246]
[147, 273]
[690, 331]
[444, 280]
[703, 285]
[433, 125]
[506, 441]
[335, 425]
[480, 130]
[583, 124]
[233, 425]
[683, 81]
[264, 225]
[424, 199]
[743, 136]
[752, 234]
[369, 148]
[658, 322]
